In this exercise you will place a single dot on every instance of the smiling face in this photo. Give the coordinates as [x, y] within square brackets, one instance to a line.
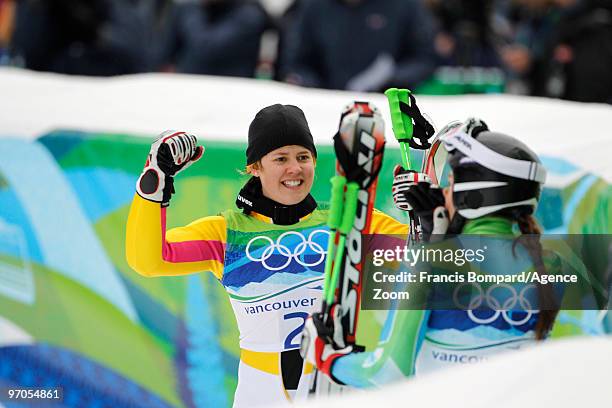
[286, 174]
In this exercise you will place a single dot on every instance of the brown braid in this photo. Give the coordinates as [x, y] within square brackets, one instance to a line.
[530, 239]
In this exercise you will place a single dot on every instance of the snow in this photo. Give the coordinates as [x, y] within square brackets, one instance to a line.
[563, 373]
[217, 108]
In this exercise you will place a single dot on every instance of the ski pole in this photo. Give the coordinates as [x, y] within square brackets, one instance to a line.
[401, 124]
[348, 217]
[403, 131]
[333, 222]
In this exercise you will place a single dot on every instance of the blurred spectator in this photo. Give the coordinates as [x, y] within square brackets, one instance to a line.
[286, 35]
[582, 51]
[360, 45]
[214, 37]
[563, 48]
[533, 24]
[466, 35]
[96, 37]
[7, 14]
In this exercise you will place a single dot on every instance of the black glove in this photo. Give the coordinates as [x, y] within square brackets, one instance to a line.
[413, 191]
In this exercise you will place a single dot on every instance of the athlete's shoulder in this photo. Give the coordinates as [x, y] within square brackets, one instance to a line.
[211, 228]
[237, 220]
[210, 219]
[231, 213]
[385, 224]
[320, 214]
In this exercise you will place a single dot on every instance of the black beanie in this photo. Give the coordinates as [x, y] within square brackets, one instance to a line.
[277, 126]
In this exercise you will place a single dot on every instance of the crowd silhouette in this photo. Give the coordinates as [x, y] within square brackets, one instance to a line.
[553, 48]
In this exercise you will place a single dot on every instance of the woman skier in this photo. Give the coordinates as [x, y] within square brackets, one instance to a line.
[493, 187]
[269, 257]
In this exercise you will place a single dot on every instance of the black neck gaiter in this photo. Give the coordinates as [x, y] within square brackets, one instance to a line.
[250, 198]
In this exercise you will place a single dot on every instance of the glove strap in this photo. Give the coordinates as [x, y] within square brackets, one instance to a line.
[422, 129]
[168, 191]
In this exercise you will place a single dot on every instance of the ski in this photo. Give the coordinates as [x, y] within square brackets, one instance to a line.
[359, 146]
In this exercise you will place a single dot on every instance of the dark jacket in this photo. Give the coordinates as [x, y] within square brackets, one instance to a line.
[588, 31]
[334, 41]
[97, 37]
[216, 39]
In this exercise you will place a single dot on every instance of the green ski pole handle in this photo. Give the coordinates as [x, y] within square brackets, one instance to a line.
[403, 130]
[401, 123]
[333, 222]
[348, 218]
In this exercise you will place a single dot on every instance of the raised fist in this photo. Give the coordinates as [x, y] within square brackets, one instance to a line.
[171, 153]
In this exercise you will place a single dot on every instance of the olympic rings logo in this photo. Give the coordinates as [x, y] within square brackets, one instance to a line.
[493, 303]
[296, 254]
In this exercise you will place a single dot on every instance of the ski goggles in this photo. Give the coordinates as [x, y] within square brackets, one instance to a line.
[435, 163]
[479, 153]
